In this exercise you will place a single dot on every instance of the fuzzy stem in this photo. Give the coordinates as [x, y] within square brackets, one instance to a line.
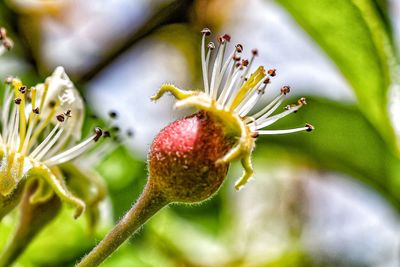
[149, 203]
[34, 217]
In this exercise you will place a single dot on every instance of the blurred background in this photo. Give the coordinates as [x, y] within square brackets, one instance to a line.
[329, 198]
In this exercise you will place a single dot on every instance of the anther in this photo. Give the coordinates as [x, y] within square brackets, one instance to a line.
[206, 32]
[211, 46]
[254, 51]
[17, 101]
[254, 134]
[267, 81]
[309, 127]
[226, 37]
[129, 132]
[52, 104]
[285, 89]
[239, 48]
[36, 111]
[99, 132]
[22, 89]
[302, 101]
[106, 134]
[9, 80]
[236, 58]
[272, 72]
[68, 113]
[60, 118]
[287, 107]
[245, 62]
[113, 114]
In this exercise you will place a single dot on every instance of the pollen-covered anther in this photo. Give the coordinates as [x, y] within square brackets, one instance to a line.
[309, 127]
[245, 62]
[68, 113]
[60, 117]
[272, 72]
[99, 132]
[254, 52]
[206, 32]
[236, 58]
[211, 46]
[302, 101]
[22, 89]
[285, 90]
[36, 111]
[17, 101]
[226, 37]
[239, 48]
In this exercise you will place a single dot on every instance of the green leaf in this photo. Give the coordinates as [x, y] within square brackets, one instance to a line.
[344, 141]
[355, 37]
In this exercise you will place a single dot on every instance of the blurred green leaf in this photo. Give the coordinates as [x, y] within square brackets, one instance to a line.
[354, 35]
[345, 141]
[125, 178]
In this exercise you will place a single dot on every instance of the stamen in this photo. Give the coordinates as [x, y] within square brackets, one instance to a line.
[74, 151]
[307, 128]
[217, 67]
[264, 122]
[44, 123]
[205, 32]
[229, 60]
[229, 84]
[6, 111]
[250, 101]
[50, 144]
[22, 118]
[37, 150]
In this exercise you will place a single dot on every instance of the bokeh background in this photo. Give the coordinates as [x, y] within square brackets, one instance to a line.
[329, 198]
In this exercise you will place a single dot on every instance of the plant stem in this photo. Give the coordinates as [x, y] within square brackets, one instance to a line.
[34, 217]
[146, 206]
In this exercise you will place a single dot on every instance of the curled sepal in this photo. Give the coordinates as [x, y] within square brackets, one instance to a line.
[176, 92]
[43, 192]
[56, 181]
[9, 202]
[89, 186]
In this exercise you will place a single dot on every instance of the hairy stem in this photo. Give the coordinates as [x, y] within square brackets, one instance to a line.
[34, 217]
[146, 206]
